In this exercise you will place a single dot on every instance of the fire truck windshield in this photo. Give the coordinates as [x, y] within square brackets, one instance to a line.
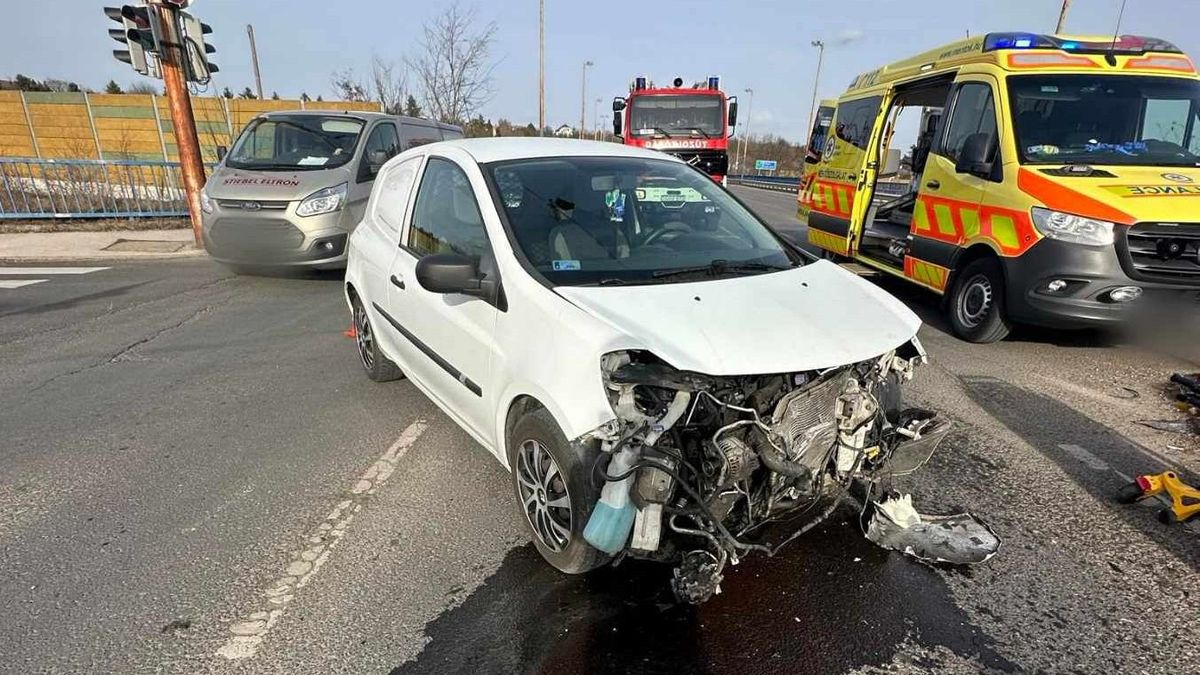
[676, 115]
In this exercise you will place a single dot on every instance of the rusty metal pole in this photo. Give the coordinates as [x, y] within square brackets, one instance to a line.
[183, 120]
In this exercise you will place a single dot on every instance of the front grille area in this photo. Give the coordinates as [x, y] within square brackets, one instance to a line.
[1147, 252]
[713, 162]
[255, 239]
[253, 204]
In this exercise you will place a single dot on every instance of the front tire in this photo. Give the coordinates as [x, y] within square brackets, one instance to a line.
[552, 482]
[976, 303]
[379, 368]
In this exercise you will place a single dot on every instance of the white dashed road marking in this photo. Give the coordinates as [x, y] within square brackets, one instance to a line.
[45, 271]
[18, 283]
[249, 632]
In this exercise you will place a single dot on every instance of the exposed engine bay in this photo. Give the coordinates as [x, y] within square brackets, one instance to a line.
[697, 465]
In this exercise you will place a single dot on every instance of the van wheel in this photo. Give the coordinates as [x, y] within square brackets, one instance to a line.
[379, 368]
[976, 304]
[552, 482]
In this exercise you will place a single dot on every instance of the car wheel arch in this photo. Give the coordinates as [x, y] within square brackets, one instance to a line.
[969, 255]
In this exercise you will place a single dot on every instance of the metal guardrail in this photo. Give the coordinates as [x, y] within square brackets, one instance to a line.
[792, 184]
[89, 188]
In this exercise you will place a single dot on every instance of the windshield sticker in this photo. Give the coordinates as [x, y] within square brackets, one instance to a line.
[1126, 148]
[313, 161]
[1049, 89]
[615, 201]
[566, 265]
[669, 196]
[1042, 150]
[1154, 190]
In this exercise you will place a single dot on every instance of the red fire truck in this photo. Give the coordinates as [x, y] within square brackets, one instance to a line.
[693, 123]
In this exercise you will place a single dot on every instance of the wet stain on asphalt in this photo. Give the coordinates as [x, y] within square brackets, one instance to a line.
[812, 609]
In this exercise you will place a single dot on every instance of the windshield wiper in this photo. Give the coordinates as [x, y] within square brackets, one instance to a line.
[718, 267]
[696, 129]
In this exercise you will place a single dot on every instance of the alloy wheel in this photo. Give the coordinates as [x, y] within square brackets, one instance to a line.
[544, 496]
[364, 337]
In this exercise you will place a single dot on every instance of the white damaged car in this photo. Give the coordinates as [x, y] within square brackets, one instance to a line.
[662, 374]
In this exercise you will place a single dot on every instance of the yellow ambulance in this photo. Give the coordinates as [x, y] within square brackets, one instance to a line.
[1052, 179]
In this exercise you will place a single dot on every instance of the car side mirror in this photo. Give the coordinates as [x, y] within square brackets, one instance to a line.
[221, 152]
[448, 273]
[975, 158]
[618, 104]
[733, 113]
[618, 123]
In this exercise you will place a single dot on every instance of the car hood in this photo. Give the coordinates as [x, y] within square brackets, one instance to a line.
[809, 318]
[229, 183]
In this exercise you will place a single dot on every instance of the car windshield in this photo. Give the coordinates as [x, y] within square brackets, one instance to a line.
[676, 115]
[1087, 119]
[628, 220]
[296, 142]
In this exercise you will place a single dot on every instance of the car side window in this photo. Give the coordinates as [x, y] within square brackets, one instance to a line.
[392, 195]
[446, 218]
[419, 134]
[974, 113]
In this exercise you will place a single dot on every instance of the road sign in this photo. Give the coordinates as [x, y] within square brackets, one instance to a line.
[765, 165]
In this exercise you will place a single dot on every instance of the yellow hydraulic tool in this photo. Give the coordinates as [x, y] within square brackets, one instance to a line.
[1185, 499]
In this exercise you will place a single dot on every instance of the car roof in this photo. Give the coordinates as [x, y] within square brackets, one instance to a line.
[486, 150]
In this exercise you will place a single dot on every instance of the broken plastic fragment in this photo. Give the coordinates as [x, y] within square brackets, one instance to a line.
[958, 539]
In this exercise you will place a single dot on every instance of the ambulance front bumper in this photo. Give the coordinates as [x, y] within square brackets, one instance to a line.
[1064, 285]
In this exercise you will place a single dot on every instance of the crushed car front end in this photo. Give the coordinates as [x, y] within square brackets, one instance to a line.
[697, 465]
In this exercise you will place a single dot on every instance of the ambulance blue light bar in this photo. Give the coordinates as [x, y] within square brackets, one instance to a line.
[714, 83]
[1124, 44]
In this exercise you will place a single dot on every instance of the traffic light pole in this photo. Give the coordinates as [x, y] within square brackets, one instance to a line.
[183, 120]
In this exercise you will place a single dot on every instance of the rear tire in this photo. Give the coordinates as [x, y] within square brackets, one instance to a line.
[976, 305]
[379, 368]
[554, 491]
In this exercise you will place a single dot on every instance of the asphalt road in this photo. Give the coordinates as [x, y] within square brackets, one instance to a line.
[198, 478]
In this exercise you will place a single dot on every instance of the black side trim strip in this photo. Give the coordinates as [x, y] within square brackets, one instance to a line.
[934, 251]
[839, 227]
[427, 351]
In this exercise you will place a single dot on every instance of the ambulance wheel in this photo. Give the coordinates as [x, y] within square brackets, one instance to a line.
[976, 305]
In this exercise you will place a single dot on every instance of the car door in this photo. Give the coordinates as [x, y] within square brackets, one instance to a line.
[381, 139]
[377, 241]
[947, 212]
[453, 333]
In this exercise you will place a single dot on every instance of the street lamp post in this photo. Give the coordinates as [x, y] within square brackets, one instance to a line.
[583, 99]
[812, 111]
[596, 119]
[746, 136]
[541, 67]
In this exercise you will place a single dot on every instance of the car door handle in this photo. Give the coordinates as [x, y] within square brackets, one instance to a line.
[933, 185]
[397, 282]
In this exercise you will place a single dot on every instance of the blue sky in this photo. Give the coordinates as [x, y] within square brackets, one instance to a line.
[759, 44]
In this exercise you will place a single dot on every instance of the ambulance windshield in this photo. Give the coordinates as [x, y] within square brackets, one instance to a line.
[1088, 119]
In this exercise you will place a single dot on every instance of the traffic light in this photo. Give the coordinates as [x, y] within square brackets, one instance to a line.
[139, 33]
[135, 21]
[196, 50]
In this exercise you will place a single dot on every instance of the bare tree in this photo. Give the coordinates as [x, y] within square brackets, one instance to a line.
[455, 67]
[347, 87]
[391, 84]
[140, 88]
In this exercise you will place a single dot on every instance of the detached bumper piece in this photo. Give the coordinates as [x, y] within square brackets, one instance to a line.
[959, 539]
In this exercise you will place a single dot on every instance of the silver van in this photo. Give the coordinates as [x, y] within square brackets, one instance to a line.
[296, 183]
